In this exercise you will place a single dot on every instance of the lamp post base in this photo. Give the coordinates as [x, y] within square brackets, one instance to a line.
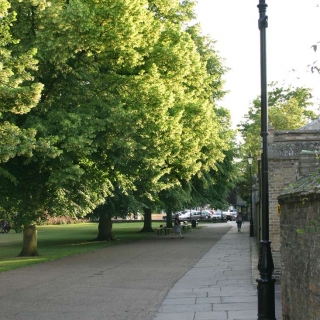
[266, 299]
[251, 228]
[266, 292]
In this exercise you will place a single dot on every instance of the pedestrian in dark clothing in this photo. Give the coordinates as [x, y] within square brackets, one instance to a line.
[239, 221]
[176, 227]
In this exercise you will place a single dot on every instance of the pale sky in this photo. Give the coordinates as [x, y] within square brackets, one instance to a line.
[294, 26]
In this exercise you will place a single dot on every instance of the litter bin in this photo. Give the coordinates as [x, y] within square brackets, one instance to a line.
[194, 223]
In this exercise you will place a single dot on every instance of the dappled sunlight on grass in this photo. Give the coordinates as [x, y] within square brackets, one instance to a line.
[14, 263]
[57, 241]
[23, 259]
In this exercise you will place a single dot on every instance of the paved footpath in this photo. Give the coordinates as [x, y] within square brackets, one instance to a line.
[221, 285]
[206, 275]
[124, 282]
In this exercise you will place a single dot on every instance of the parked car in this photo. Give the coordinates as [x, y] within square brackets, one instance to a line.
[173, 215]
[190, 214]
[228, 215]
[231, 214]
[206, 215]
[218, 216]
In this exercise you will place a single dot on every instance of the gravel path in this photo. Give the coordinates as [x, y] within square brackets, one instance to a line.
[123, 282]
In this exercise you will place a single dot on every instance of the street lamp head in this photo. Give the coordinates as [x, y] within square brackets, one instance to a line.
[250, 159]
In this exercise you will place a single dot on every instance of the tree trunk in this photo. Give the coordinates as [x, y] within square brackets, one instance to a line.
[169, 218]
[105, 227]
[30, 242]
[147, 222]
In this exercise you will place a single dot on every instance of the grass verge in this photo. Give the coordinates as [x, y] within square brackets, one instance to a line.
[57, 241]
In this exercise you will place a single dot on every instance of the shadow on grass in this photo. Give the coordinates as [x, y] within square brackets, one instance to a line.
[57, 241]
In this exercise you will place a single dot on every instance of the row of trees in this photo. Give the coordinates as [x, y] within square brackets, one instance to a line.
[108, 107]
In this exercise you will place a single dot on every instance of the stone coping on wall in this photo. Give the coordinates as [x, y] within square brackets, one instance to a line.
[306, 186]
[288, 135]
[288, 144]
[290, 150]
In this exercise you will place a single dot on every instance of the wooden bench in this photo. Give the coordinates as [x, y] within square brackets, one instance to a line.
[163, 230]
[185, 225]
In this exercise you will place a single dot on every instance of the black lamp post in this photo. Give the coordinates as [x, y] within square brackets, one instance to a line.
[250, 159]
[266, 294]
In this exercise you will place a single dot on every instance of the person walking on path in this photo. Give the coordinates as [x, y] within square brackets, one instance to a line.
[176, 227]
[239, 221]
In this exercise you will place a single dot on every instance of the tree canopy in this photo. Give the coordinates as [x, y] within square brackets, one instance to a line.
[110, 99]
[19, 92]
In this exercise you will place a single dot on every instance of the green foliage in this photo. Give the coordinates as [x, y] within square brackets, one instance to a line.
[19, 93]
[288, 109]
[176, 198]
[212, 187]
[313, 227]
[127, 108]
[74, 112]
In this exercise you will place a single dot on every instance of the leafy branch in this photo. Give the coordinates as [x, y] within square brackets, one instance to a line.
[312, 228]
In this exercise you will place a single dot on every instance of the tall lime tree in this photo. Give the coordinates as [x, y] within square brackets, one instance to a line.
[193, 74]
[126, 97]
[88, 51]
[211, 186]
[164, 109]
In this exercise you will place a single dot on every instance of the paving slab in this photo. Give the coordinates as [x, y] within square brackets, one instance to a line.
[210, 274]
[226, 277]
[122, 282]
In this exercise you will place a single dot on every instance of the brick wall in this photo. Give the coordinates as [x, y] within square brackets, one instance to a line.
[300, 253]
[282, 172]
[300, 250]
[309, 163]
[284, 148]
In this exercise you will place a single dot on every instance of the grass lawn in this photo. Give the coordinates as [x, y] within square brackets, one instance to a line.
[57, 241]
